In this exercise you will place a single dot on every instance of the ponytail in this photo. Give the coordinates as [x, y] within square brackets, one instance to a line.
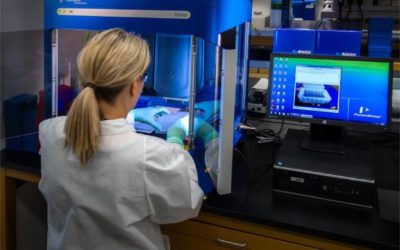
[82, 128]
[108, 63]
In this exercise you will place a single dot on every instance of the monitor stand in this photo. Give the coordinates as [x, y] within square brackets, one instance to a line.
[325, 138]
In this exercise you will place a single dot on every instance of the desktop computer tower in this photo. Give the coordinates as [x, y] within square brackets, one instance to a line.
[344, 179]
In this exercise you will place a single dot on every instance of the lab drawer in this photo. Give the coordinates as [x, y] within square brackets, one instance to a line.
[195, 235]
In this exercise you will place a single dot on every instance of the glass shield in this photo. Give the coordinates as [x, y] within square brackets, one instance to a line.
[21, 81]
[182, 72]
[232, 75]
[190, 84]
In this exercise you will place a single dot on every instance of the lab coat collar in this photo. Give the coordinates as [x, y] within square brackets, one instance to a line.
[116, 126]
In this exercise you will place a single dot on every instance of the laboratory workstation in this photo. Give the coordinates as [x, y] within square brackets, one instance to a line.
[247, 124]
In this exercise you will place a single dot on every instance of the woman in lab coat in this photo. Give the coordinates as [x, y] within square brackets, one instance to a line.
[106, 186]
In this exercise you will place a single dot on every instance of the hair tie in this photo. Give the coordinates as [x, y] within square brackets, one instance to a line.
[90, 85]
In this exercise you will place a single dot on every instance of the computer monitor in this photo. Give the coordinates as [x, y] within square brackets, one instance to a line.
[331, 90]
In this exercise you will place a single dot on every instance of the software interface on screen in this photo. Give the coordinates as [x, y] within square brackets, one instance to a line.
[330, 89]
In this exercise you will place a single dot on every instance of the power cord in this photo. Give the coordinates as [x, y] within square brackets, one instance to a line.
[264, 135]
[243, 158]
[350, 4]
[340, 4]
[359, 4]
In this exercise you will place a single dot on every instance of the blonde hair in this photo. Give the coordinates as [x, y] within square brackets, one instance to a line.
[111, 61]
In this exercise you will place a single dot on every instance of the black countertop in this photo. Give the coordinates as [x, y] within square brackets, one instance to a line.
[253, 200]
[23, 161]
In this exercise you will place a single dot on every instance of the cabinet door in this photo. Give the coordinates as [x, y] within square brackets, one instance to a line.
[179, 241]
[205, 236]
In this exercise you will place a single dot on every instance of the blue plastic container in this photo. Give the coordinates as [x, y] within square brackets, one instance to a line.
[380, 37]
[298, 8]
[309, 10]
[292, 40]
[338, 42]
[20, 126]
[339, 39]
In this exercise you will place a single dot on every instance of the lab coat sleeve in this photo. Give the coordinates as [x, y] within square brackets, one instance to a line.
[172, 189]
[43, 128]
[49, 132]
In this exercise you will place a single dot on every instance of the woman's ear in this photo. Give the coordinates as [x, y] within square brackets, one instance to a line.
[136, 88]
[132, 88]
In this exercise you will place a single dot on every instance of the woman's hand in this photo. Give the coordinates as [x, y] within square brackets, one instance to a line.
[180, 129]
[148, 115]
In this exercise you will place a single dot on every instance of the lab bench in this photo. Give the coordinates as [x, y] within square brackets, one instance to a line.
[251, 217]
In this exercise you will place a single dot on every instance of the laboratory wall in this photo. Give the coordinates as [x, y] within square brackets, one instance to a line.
[261, 10]
[21, 50]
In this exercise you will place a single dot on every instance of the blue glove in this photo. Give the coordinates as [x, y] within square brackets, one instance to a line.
[176, 134]
[207, 109]
[180, 129]
[205, 131]
[148, 115]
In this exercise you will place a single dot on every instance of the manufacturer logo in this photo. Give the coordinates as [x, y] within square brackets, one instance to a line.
[76, 2]
[181, 14]
[363, 110]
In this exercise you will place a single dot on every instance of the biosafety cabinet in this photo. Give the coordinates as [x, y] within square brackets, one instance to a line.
[198, 70]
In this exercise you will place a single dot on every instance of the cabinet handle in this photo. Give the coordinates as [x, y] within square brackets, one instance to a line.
[231, 243]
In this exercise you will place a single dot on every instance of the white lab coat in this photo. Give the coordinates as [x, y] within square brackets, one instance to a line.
[133, 183]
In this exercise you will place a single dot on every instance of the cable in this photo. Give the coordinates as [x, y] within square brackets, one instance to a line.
[385, 137]
[247, 166]
[272, 120]
[359, 3]
[349, 3]
[243, 158]
[281, 128]
[340, 4]
[264, 135]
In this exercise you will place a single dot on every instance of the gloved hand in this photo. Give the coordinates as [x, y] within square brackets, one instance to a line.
[180, 129]
[207, 109]
[148, 115]
[176, 134]
[204, 131]
[211, 160]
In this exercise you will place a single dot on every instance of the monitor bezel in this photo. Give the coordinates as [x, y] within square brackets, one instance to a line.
[350, 124]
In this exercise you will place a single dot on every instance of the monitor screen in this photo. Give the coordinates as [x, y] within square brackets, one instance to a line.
[331, 89]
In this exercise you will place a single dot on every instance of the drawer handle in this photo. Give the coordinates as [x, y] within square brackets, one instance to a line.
[231, 243]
